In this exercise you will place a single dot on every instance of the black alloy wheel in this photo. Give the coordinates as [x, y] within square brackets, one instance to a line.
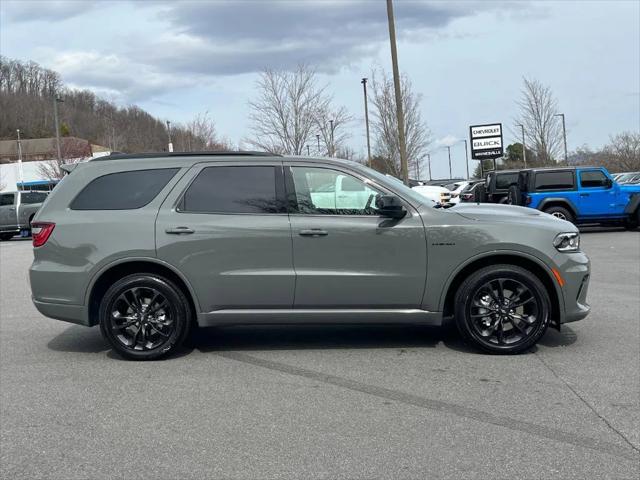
[144, 317]
[502, 309]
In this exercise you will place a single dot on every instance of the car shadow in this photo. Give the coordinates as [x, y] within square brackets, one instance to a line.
[78, 339]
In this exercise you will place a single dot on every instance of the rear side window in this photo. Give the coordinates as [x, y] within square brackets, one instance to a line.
[554, 181]
[6, 199]
[123, 190]
[504, 181]
[33, 197]
[593, 179]
[242, 189]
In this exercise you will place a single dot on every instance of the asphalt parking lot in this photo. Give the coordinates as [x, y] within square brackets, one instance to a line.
[326, 402]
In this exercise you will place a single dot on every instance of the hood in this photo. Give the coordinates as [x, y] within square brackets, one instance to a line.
[490, 212]
[630, 188]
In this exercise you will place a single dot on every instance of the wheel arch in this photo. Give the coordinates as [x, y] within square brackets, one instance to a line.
[558, 202]
[112, 272]
[528, 262]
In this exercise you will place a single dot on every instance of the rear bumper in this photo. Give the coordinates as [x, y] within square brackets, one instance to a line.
[68, 313]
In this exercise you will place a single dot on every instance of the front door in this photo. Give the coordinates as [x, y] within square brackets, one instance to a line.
[345, 254]
[225, 227]
[8, 214]
[597, 194]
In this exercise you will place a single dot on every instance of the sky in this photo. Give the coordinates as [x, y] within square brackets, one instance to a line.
[466, 59]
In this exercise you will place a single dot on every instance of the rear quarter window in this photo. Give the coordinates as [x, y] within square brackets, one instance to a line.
[549, 181]
[504, 181]
[123, 190]
[32, 197]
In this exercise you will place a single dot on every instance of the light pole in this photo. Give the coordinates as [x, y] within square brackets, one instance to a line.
[366, 120]
[396, 83]
[564, 135]
[169, 135]
[466, 156]
[57, 100]
[20, 173]
[318, 138]
[308, 151]
[331, 152]
[524, 148]
[429, 163]
[449, 150]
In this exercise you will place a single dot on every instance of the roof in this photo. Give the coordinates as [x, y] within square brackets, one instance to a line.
[221, 153]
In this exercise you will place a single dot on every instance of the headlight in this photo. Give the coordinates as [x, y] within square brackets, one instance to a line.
[567, 242]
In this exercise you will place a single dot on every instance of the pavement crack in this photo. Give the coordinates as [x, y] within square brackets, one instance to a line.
[588, 405]
[439, 406]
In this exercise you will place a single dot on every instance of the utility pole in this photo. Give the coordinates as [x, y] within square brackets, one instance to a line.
[308, 151]
[429, 160]
[366, 120]
[564, 134]
[331, 148]
[318, 138]
[20, 173]
[524, 148]
[169, 135]
[466, 156]
[449, 149]
[57, 100]
[396, 82]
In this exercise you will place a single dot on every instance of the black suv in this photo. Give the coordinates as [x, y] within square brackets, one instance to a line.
[496, 186]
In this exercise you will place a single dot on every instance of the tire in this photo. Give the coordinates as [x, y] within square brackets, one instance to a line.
[480, 194]
[560, 212]
[6, 236]
[492, 328]
[139, 332]
[514, 196]
[633, 221]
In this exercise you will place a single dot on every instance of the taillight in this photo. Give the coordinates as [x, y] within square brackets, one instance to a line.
[528, 200]
[40, 232]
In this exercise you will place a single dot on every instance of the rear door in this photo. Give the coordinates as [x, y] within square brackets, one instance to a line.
[8, 212]
[346, 256]
[225, 227]
[597, 194]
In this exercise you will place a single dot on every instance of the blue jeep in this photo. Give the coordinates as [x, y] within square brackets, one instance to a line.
[580, 195]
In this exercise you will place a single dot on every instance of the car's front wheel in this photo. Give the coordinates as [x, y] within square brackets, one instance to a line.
[561, 213]
[502, 309]
[144, 317]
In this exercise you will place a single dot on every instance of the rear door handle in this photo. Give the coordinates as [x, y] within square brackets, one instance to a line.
[179, 230]
[314, 232]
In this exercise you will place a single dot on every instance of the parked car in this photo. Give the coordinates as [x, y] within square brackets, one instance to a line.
[631, 178]
[182, 240]
[473, 192]
[17, 209]
[579, 195]
[497, 183]
[456, 188]
[440, 195]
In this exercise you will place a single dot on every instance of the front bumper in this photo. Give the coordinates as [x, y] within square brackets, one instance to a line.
[575, 269]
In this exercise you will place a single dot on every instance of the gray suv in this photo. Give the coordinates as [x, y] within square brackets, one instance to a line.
[148, 246]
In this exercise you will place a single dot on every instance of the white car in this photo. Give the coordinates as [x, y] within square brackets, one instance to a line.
[455, 189]
[439, 195]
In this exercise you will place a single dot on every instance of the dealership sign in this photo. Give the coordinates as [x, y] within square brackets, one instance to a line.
[486, 141]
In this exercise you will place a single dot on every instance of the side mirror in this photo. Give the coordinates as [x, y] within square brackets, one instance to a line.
[609, 183]
[390, 206]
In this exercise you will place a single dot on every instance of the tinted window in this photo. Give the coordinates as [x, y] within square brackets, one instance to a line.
[123, 191]
[348, 195]
[593, 179]
[6, 199]
[505, 180]
[554, 180]
[233, 190]
[33, 197]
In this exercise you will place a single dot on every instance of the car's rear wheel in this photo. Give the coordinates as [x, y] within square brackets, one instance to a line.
[561, 213]
[6, 236]
[502, 309]
[514, 196]
[144, 317]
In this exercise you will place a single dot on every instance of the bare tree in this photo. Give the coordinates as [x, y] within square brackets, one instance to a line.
[331, 125]
[285, 113]
[538, 108]
[385, 123]
[73, 150]
[622, 154]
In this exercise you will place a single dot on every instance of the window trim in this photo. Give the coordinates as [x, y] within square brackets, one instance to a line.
[199, 168]
[291, 191]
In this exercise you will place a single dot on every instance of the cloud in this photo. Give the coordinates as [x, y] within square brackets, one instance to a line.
[447, 141]
[49, 10]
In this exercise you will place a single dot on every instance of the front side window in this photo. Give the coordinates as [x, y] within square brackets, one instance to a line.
[123, 190]
[231, 190]
[6, 199]
[593, 179]
[549, 181]
[322, 191]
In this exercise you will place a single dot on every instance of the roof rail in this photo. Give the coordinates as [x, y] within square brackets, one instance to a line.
[219, 153]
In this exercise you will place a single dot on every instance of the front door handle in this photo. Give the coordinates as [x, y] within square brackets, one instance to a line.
[313, 232]
[179, 230]
[584, 194]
